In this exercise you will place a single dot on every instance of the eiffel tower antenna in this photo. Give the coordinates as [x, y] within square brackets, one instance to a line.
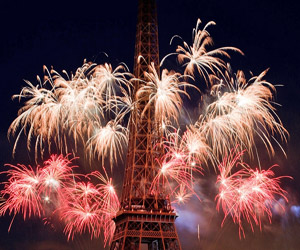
[146, 219]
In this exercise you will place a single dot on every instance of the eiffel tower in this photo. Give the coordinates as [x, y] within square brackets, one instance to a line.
[146, 219]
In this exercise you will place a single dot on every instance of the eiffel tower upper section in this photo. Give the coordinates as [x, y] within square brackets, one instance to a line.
[141, 166]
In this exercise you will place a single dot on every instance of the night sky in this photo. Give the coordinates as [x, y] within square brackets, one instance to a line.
[62, 36]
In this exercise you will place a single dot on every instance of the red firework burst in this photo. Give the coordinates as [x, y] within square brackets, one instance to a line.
[246, 194]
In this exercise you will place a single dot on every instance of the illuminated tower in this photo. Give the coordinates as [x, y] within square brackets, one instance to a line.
[146, 219]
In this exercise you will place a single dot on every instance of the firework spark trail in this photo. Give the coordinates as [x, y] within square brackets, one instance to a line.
[31, 118]
[110, 200]
[109, 203]
[246, 194]
[182, 195]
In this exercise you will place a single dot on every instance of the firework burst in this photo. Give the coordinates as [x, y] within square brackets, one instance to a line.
[175, 175]
[81, 211]
[28, 190]
[71, 108]
[198, 57]
[246, 193]
[241, 113]
[108, 141]
[164, 92]
[20, 193]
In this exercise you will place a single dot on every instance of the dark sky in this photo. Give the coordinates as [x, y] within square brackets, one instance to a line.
[60, 35]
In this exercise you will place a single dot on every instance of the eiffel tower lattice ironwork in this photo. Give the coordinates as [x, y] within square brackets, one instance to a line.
[146, 219]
